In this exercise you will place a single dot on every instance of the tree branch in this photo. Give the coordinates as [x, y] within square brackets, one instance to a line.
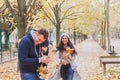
[2, 9]
[71, 18]
[49, 17]
[50, 7]
[72, 14]
[29, 10]
[9, 7]
[1, 6]
[28, 4]
[49, 13]
[116, 11]
[57, 13]
[66, 13]
[61, 3]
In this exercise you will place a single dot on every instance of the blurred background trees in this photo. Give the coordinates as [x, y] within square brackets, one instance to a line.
[82, 19]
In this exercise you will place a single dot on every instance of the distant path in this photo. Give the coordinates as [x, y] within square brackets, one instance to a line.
[116, 44]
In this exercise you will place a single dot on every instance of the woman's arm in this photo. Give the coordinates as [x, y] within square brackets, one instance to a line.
[58, 57]
[72, 57]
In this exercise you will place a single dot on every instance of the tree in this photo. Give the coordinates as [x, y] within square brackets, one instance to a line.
[88, 22]
[105, 27]
[22, 12]
[55, 13]
[107, 22]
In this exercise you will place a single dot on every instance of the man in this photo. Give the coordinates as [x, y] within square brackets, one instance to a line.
[29, 53]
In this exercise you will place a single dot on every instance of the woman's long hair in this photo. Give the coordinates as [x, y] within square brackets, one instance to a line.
[60, 46]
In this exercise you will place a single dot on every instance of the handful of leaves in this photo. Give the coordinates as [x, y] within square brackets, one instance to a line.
[43, 50]
[43, 71]
[68, 51]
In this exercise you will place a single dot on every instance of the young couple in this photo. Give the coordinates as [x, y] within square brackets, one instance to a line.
[30, 57]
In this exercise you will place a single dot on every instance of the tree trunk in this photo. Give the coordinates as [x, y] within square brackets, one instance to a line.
[74, 37]
[21, 19]
[20, 27]
[104, 30]
[79, 36]
[104, 35]
[107, 21]
[57, 33]
[101, 38]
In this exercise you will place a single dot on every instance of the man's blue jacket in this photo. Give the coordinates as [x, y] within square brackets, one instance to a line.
[28, 53]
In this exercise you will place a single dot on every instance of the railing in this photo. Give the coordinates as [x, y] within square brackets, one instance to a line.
[8, 52]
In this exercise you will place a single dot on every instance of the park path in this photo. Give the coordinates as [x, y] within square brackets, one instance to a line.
[88, 60]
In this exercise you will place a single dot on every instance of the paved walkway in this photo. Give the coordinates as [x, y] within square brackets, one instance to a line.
[88, 59]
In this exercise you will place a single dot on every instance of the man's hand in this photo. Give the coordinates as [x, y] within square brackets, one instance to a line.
[44, 59]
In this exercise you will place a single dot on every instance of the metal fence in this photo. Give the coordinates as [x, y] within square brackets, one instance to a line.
[8, 52]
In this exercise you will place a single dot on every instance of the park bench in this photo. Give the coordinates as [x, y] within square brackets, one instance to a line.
[108, 60]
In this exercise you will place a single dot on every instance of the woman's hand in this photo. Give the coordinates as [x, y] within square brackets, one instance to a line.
[64, 62]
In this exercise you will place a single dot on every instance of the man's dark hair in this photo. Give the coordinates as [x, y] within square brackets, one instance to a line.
[44, 32]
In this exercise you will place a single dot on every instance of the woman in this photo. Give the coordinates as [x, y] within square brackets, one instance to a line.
[67, 65]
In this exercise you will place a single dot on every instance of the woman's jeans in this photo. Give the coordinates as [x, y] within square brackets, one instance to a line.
[66, 72]
[30, 76]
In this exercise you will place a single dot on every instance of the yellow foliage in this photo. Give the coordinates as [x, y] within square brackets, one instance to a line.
[88, 16]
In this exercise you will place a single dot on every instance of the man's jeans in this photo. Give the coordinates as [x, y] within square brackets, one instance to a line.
[30, 76]
[66, 72]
